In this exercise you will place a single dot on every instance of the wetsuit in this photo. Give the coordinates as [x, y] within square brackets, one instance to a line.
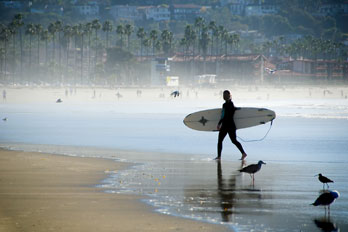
[228, 126]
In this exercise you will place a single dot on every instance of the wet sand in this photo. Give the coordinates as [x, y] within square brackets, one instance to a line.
[41, 192]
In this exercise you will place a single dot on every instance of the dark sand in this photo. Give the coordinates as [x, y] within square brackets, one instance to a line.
[41, 192]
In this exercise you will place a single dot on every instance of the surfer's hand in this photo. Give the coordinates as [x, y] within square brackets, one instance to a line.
[218, 126]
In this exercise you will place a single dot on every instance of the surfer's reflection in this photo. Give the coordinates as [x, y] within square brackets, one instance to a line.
[226, 193]
[325, 224]
[232, 198]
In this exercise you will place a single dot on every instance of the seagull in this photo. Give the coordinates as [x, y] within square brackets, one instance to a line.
[327, 198]
[252, 169]
[324, 180]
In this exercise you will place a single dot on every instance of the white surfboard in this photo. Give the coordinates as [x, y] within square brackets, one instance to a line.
[244, 117]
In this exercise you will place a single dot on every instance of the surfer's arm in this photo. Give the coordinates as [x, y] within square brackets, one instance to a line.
[222, 116]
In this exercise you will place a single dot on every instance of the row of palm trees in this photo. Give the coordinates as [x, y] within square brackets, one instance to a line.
[307, 47]
[76, 50]
[58, 37]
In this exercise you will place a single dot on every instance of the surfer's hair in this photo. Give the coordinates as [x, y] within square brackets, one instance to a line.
[226, 91]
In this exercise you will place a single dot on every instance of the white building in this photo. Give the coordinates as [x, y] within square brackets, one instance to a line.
[260, 9]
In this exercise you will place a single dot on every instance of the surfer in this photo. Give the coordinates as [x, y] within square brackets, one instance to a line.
[226, 126]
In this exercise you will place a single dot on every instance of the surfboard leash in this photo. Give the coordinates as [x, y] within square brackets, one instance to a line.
[257, 140]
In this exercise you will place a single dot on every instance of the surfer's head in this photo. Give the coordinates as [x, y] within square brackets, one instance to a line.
[227, 95]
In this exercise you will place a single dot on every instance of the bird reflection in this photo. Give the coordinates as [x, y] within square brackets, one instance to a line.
[325, 224]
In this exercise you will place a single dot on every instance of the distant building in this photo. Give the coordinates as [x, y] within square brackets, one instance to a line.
[232, 2]
[237, 9]
[91, 9]
[158, 13]
[332, 9]
[126, 12]
[260, 9]
[47, 9]
[11, 4]
[185, 11]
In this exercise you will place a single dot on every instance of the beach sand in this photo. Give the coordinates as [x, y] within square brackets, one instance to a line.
[42, 192]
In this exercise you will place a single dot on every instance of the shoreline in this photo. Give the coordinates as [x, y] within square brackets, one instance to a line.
[48, 192]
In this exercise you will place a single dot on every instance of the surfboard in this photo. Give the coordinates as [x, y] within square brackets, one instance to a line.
[244, 117]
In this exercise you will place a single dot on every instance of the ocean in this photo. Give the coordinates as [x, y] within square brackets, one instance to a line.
[173, 167]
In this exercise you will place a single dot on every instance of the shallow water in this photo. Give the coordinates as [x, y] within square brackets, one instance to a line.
[176, 171]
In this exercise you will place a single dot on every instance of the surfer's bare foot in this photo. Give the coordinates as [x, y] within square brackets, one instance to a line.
[244, 155]
[218, 158]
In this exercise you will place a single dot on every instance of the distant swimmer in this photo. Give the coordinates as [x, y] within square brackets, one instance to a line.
[4, 95]
[118, 95]
[176, 93]
[226, 126]
[59, 100]
[4, 119]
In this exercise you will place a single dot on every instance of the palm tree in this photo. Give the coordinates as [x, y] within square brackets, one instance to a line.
[204, 43]
[183, 43]
[30, 30]
[128, 30]
[224, 39]
[213, 29]
[75, 34]
[13, 31]
[147, 44]
[45, 35]
[221, 32]
[18, 19]
[38, 30]
[190, 37]
[141, 35]
[199, 23]
[107, 27]
[82, 34]
[120, 33]
[5, 34]
[59, 29]
[68, 32]
[52, 30]
[166, 38]
[153, 36]
[96, 26]
[88, 31]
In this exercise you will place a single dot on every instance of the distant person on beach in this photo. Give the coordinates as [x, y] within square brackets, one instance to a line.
[176, 93]
[4, 95]
[226, 126]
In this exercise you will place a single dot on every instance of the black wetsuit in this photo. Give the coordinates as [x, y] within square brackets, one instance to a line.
[228, 126]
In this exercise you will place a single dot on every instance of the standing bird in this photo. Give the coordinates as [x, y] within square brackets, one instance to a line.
[324, 180]
[252, 169]
[327, 199]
